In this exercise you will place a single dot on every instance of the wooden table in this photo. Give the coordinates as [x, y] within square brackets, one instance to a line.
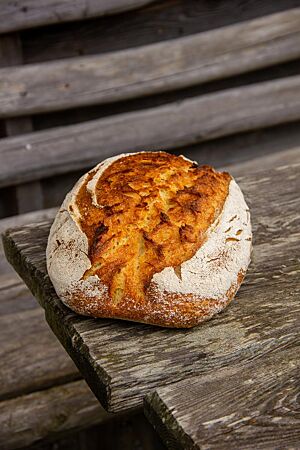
[195, 380]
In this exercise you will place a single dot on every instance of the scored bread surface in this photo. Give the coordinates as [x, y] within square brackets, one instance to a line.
[150, 237]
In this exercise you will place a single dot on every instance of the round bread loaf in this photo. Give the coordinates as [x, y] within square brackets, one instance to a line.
[150, 237]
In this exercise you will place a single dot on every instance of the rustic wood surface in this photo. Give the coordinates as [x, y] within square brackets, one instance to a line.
[24, 332]
[28, 196]
[21, 14]
[31, 358]
[156, 68]
[77, 115]
[123, 361]
[255, 406]
[47, 414]
[51, 408]
[14, 296]
[163, 20]
[246, 149]
[17, 221]
[38, 399]
[183, 122]
[265, 162]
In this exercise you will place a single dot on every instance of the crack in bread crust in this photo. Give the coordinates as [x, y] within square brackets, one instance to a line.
[148, 211]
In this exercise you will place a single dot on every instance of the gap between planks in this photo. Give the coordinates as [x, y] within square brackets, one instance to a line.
[252, 406]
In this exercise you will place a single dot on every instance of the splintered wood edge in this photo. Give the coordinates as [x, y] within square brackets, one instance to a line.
[56, 315]
[160, 417]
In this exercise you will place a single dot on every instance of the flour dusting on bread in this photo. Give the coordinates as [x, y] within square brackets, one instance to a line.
[226, 251]
[152, 238]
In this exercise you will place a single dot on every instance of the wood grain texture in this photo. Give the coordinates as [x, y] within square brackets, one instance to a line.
[27, 345]
[21, 14]
[37, 399]
[48, 414]
[14, 296]
[150, 69]
[161, 21]
[255, 406]
[28, 196]
[93, 112]
[31, 357]
[123, 361]
[244, 150]
[187, 121]
[270, 161]
[18, 221]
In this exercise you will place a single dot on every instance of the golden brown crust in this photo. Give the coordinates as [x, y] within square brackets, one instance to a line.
[150, 237]
[155, 209]
[171, 310]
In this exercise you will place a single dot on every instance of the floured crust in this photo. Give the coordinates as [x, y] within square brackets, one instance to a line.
[150, 237]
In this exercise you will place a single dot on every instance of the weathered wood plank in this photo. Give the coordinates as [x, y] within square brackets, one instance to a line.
[14, 296]
[48, 414]
[31, 357]
[245, 150]
[56, 119]
[123, 361]
[250, 407]
[44, 153]
[21, 14]
[252, 166]
[18, 221]
[28, 196]
[150, 69]
[24, 334]
[10, 50]
[167, 19]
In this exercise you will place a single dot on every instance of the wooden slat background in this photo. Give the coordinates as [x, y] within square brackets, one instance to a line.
[160, 21]
[174, 74]
[20, 14]
[197, 119]
[150, 69]
[217, 81]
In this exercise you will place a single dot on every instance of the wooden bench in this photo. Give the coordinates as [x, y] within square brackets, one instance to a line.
[41, 391]
[69, 98]
[123, 362]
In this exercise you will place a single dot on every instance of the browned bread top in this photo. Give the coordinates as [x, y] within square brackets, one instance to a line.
[154, 211]
[150, 237]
